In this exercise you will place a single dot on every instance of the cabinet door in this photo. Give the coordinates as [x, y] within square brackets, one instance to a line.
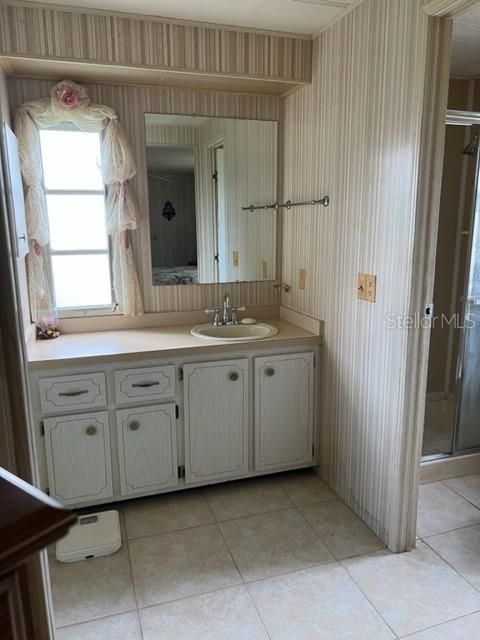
[216, 420]
[147, 445]
[78, 457]
[283, 411]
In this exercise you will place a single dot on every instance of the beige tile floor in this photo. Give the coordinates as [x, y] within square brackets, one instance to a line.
[277, 558]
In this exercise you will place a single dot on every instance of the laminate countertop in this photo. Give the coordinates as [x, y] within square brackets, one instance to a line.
[120, 345]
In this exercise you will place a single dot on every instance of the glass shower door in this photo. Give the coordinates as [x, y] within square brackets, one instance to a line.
[467, 432]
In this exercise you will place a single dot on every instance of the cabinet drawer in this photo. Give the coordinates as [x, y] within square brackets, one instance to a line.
[83, 391]
[147, 383]
[78, 457]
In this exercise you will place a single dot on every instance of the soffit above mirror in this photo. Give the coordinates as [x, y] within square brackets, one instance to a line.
[87, 45]
[102, 73]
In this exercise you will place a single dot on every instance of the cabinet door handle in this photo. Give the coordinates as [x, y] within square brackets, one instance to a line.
[270, 372]
[233, 376]
[72, 394]
[144, 385]
[91, 430]
[134, 425]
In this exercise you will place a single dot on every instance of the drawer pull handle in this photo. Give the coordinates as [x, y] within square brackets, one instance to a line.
[91, 430]
[134, 425]
[72, 394]
[233, 376]
[270, 372]
[144, 385]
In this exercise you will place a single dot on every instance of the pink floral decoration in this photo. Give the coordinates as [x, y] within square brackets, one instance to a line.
[69, 98]
[69, 95]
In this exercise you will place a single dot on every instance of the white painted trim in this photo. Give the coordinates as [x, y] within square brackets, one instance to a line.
[447, 8]
[430, 153]
[462, 118]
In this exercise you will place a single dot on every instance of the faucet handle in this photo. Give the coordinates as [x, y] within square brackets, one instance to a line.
[234, 313]
[216, 320]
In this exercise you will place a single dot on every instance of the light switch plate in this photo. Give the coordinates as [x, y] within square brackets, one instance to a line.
[264, 269]
[302, 276]
[367, 287]
[236, 259]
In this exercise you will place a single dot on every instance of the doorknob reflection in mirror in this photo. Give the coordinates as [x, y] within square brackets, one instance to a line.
[91, 430]
[233, 376]
[134, 425]
[270, 372]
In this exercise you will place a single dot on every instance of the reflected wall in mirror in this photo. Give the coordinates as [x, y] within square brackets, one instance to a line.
[201, 172]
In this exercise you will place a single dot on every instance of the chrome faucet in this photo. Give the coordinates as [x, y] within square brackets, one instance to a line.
[229, 314]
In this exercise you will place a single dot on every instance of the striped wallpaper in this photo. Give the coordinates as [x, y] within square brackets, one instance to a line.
[38, 31]
[355, 135]
[131, 103]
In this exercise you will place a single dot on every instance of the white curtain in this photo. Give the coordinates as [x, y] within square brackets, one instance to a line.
[70, 102]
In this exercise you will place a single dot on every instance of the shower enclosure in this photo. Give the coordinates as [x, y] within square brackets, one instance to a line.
[452, 421]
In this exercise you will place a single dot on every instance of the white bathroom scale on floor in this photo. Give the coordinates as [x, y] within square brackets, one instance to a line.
[94, 535]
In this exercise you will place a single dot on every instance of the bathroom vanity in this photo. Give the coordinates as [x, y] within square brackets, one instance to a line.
[119, 414]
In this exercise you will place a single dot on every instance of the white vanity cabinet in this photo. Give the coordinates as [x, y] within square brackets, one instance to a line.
[147, 447]
[78, 457]
[284, 411]
[216, 420]
[108, 430]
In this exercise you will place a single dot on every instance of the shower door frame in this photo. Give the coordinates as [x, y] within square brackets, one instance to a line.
[466, 119]
[460, 118]
[456, 117]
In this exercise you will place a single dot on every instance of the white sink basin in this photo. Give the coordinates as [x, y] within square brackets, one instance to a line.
[234, 332]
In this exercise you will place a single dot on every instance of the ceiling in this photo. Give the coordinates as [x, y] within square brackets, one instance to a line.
[291, 16]
[466, 44]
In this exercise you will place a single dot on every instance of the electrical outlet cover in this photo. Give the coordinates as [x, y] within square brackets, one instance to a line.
[371, 288]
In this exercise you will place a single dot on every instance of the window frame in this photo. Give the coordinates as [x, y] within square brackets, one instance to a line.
[81, 311]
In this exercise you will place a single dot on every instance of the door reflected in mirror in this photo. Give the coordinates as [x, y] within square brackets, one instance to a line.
[201, 172]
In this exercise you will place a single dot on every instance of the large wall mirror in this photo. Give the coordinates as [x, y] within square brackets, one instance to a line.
[201, 172]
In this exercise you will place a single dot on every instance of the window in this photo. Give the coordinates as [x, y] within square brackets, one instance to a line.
[75, 193]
